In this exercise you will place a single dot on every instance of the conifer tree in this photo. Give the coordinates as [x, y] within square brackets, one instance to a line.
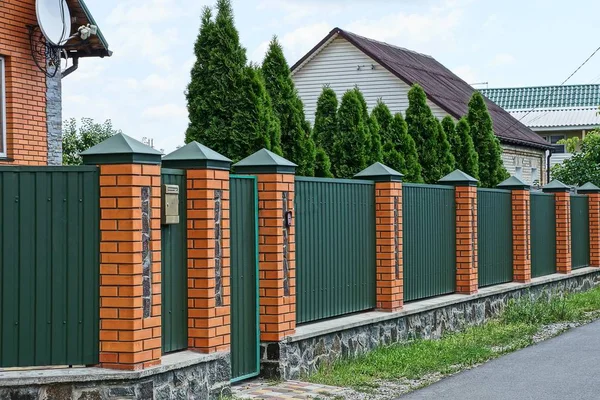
[453, 138]
[406, 146]
[394, 159]
[326, 126]
[295, 138]
[352, 142]
[424, 129]
[322, 164]
[384, 118]
[447, 161]
[487, 145]
[375, 148]
[468, 160]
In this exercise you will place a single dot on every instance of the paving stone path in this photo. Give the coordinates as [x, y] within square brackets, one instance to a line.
[266, 390]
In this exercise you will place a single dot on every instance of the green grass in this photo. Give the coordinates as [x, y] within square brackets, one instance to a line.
[513, 330]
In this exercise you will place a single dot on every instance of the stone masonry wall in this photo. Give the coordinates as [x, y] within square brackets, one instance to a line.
[290, 360]
[54, 119]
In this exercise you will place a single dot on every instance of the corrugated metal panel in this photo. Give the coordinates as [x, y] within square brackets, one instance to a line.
[244, 278]
[49, 266]
[580, 231]
[174, 271]
[559, 117]
[337, 66]
[335, 247]
[545, 96]
[429, 219]
[494, 235]
[543, 234]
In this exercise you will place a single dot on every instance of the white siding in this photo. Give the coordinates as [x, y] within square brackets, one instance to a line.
[337, 66]
[530, 161]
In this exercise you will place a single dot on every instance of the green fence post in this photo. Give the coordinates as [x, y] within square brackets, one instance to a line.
[562, 199]
[593, 193]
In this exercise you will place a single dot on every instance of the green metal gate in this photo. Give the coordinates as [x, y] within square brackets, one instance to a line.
[543, 234]
[335, 247]
[174, 271]
[429, 222]
[494, 236]
[49, 266]
[580, 231]
[245, 329]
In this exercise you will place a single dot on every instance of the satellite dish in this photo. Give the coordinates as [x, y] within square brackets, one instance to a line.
[54, 19]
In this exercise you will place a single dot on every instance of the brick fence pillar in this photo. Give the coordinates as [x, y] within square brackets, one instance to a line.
[562, 198]
[276, 242]
[388, 215]
[521, 222]
[467, 280]
[593, 193]
[208, 254]
[130, 250]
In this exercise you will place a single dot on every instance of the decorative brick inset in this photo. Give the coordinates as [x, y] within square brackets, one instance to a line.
[130, 335]
[277, 310]
[563, 232]
[388, 203]
[521, 214]
[466, 240]
[209, 264]
[594, 217]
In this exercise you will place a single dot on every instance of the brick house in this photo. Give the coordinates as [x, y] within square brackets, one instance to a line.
[344, 60]
[30, 99]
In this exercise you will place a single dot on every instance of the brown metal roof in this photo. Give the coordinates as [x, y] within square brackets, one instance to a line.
[95, 46]
[441, 85]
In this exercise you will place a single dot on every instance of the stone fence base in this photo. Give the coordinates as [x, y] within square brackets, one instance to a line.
[181, 376]
[351, 336]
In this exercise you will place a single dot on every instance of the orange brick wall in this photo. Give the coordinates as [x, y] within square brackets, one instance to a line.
[26, 131]
[127, 339]
[277, 310]
[563, 232]
[594, 215]
[521, 203]
[466, 239]
[388, 199]
[208, 324]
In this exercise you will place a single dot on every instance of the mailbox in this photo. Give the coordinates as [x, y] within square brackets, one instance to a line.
[170, 214]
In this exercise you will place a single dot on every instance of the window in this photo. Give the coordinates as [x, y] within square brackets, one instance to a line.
[2, 110]
[557, 148]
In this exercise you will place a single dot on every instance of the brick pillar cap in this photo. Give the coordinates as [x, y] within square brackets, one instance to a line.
[588, 188]
[556, 186]
[198, 156]
[121, 149]
[379, 173]
[265, 162]
[458, 178]
[514, 183]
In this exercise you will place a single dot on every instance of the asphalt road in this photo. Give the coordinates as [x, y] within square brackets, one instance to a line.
[565, 367]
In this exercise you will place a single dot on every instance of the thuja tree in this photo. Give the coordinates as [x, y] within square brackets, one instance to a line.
[374, 148]
[296, 140]
[453, 138]
[447, 161]
[326, 126]
[467, 159]
[352, 142]
[424, 129]
[384, 117]
[322, 164]
[491, 169]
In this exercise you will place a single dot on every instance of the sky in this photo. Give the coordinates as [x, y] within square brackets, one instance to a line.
[141, 88]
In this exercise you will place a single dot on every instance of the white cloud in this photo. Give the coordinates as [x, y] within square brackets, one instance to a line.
[466, 73]
[295, 10]
[170, 110]
[502, 59]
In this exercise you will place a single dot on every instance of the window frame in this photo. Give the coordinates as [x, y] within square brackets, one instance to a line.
[3, 151]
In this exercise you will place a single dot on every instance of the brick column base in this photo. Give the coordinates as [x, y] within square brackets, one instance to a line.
[521, 215]
[466, 240]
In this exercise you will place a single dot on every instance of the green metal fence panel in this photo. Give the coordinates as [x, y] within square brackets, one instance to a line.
[543, 234]
[580, 231]
[494, 236]
[49, 266]
[245, 329]
[429, 222]
[335, 247]
[174, 271]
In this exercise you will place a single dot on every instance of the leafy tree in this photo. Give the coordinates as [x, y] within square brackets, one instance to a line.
[75, 140]
[491, 169]
[424, 129]
[296, 140]
[571, 144]
[352, 142]
[584, 166]
[326, 126]
[447, 160]
[322, 164]
[468, 160]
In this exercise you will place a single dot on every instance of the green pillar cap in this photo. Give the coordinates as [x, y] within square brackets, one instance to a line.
[514, 183]
[121, 149]
[588, 188]
[265, 162]
[556, 186]
[458, 178]
[196, 155]
[379, 173]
